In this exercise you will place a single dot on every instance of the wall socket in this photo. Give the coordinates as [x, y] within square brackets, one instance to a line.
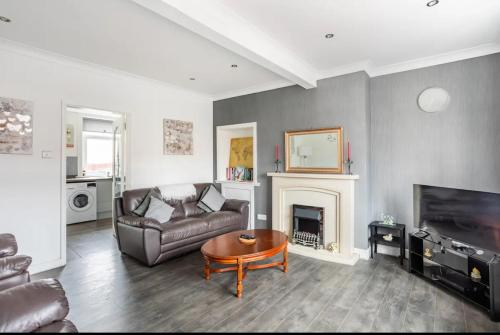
[47, 155]
[262, 217]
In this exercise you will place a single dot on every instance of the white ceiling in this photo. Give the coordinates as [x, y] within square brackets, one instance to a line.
[274, 42]
[123, 35]
[382, 31]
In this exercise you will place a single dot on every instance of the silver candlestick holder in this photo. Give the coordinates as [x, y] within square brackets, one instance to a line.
[277, 163]
[349, 162]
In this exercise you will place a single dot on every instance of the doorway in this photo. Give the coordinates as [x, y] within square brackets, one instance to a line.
[94, 145]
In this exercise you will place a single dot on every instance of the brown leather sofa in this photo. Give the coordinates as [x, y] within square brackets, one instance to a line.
[13, 268]
[153, 242]
[39, 306]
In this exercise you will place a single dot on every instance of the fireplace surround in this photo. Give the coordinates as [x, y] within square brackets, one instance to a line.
[332, 192]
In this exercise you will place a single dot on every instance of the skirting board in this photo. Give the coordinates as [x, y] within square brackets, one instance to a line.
[381, 249]
[104, 215]
[363, 253]
[37, 268]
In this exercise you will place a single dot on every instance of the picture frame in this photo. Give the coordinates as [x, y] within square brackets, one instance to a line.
[315, 151]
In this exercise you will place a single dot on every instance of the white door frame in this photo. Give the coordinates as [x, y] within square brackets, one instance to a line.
[62, 193]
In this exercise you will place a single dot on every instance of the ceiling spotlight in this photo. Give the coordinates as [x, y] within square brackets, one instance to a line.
[234, 65]
[192, 78]
[4, 19]
[432, 3]
[329, 35]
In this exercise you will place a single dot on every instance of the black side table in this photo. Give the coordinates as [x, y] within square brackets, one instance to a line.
[398, 232]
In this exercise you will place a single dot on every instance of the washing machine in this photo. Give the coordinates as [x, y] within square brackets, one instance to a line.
[81, 202]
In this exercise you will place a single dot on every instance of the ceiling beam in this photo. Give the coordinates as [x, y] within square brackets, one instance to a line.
[222, 26]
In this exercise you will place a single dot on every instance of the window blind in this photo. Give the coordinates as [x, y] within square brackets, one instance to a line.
[97, 125]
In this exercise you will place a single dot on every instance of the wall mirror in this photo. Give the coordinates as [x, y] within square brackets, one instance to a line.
[314, 151]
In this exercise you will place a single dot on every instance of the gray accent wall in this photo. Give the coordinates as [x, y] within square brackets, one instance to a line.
[340, 101]
[394, 143]
[457, 148]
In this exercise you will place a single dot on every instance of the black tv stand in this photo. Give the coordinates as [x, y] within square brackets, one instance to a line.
[451, 267]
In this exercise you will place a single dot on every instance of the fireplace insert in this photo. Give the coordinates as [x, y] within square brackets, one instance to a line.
[308, 226]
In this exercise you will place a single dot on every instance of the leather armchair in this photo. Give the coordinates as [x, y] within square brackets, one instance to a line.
[13, 268]
[39, 306]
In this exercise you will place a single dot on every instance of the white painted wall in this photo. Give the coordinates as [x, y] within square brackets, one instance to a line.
[30, 188]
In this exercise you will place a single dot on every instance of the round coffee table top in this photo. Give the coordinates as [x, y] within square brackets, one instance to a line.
[228, 246]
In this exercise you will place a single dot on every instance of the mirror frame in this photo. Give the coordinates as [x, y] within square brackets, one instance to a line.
[291, 169]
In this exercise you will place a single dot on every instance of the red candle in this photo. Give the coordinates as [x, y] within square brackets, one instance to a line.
[348, 150]
[277, 152]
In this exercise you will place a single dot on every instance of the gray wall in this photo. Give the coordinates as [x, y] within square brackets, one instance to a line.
[458, 148]
[340, 101]
[394, 143]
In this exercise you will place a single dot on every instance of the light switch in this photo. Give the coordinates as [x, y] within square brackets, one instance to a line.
[262, 217]
[47, 155]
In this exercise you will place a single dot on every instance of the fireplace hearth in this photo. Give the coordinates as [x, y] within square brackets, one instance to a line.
[308, 226]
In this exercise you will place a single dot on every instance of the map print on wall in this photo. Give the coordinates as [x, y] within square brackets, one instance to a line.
[16, 126]
[241, 152]
[177, 137]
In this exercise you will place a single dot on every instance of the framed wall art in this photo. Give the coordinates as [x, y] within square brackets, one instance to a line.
[16, 126]
[177, 137]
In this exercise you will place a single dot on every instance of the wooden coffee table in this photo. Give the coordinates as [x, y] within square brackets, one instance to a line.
[228, 250]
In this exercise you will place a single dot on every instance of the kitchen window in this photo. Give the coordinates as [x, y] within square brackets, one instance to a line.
[97, 154]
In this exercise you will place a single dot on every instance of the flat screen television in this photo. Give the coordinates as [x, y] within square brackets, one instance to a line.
[470, 217]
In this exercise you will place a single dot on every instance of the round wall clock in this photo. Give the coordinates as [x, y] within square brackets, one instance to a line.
[434, 99]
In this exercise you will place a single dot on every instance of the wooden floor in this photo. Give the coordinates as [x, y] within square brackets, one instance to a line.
[111, 292]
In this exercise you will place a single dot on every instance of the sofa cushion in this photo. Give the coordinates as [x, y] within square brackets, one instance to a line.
[131, 199]
[14, 265]
[200, 188]
[64, 326]
[178, 209]
[212, 199]
[27, 307]
[221, 220]
[14, 281]
[196, 239]
[144, 205]
[159, 210]
[204, 208]
[192, 209]
[180, 229]
[8, 245]
[139, 222]
[178, 192]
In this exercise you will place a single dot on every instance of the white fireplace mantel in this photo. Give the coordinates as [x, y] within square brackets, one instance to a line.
[314, 175]
[334, 193]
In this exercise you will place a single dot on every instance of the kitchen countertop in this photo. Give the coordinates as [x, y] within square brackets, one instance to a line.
[70, 180]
